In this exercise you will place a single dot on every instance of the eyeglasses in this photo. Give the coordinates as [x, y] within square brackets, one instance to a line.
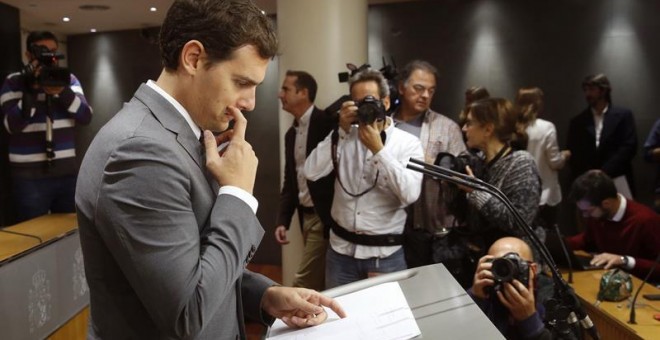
[420, 89]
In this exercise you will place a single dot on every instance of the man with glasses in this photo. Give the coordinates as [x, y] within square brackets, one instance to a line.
[372, 186]
[622, 232]
[428, 216]
[40, 108]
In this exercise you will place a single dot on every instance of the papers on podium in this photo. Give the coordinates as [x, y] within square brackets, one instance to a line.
[379, 312]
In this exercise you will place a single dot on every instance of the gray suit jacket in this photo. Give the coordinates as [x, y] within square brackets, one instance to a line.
[164, 255]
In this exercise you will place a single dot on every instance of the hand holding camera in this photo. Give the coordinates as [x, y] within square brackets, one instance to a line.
[43, 71]
[509, 278]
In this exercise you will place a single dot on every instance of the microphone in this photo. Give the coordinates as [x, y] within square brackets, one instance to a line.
[634, 300]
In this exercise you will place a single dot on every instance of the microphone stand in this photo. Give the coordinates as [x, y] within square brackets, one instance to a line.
[634, 300]
[565, 251]
[562, 309]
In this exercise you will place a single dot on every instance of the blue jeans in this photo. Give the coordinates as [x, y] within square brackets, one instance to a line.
[36, 197]
[341, 269]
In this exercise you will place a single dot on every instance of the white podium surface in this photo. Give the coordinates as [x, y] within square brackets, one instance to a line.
[441, 307]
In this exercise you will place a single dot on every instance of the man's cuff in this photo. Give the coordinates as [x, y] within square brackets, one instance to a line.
[240, 194]
[630, 263]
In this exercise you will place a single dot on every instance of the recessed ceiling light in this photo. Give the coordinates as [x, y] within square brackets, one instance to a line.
[93, 30]
[263, 12]
[153, 9]
[66, 19]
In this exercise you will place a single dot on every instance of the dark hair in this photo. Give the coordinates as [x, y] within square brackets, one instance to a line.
[600, 81]
[417, 65]
[530, 104]
[35, 36]
[594, 186]
[304, 80]
[222, 26]
[472, 94]
[505, 118]
[368, 75]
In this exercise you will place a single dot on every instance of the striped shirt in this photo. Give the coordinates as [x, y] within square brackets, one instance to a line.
[25, 120]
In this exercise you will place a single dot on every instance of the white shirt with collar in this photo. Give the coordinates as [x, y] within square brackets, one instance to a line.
[381, 209]
[300, 155]
[618, 216]
[598, 122]
[227, 189]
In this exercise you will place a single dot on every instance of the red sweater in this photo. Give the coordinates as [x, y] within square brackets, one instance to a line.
[636, 235]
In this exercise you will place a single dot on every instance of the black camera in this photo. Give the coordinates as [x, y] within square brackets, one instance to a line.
[370, 109]
[509, 267]
[454, 198]
[389, 72]
[50, 74]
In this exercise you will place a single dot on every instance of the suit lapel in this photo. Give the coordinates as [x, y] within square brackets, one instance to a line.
[609, 124]
[172, 120]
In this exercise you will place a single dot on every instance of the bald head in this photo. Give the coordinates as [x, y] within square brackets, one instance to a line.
[511, 245]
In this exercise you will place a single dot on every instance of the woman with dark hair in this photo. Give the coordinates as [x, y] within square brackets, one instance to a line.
[472, 94]
[490, 126]
[542, 145]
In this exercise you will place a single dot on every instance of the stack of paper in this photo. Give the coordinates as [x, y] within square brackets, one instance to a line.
[380, 312]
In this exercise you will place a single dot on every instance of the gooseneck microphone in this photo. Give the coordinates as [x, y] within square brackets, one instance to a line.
[632, 320]
[564, 306]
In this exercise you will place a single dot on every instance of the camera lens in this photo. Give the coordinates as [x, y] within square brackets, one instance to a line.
[504, 270]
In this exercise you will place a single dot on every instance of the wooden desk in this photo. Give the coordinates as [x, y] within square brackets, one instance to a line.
[47, 227]
[611, 318]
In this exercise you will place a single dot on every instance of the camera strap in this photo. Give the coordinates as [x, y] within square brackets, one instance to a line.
[335, 164]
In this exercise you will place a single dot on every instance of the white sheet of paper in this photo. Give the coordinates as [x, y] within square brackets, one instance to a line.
[378, 312]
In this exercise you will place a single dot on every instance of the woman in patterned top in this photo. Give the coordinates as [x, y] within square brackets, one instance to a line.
[491, 126]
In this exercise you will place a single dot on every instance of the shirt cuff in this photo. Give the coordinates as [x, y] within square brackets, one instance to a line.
[240, 194]
[631, 263]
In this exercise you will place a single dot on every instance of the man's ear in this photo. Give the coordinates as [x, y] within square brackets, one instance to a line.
[609, 204]
[191, 58]
[386, 103]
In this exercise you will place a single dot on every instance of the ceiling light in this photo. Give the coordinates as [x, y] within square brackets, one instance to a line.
[153, 9]
[66, 19]
[93, 30]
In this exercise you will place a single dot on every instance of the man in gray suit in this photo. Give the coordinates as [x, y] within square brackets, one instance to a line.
[167, 225]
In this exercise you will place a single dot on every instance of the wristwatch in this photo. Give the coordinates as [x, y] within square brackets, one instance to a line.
[624, 260]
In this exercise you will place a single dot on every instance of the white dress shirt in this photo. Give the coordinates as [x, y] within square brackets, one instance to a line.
[300, 155]
[380, 210]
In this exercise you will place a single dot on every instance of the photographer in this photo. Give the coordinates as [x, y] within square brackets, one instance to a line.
[504, 290]
[428, 218]
[372, 186]
[41, 106]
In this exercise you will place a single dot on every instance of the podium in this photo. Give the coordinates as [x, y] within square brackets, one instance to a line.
[442, 308]
[42, 278]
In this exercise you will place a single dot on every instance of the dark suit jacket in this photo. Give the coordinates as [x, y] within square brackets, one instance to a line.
[164, 255]
[322, 190]
[618, 144]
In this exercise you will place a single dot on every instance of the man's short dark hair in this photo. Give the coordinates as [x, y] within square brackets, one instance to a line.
[222, 26]
[35, 36]
[304, 80]
[594, 186]
[417, 65]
